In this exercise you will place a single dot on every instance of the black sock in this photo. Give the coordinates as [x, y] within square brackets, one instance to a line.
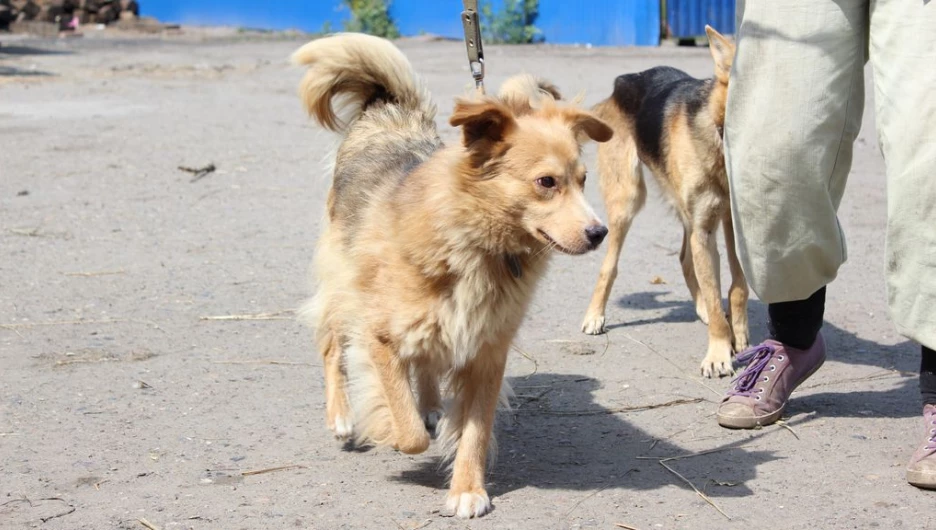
[928, 375]
[797, 323]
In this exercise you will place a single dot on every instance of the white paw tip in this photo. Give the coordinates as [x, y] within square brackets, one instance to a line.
[593, 326]
[344, 427]
[468, 505]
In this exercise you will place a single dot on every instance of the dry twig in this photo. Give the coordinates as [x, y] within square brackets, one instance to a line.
[585, 498]
[264, 361]
[528, 357]
[62, 323]
[275, 315]
[147, 524]
[98, 273]
[883, 374]
[271, 469]
[785, 425]
[667, 359]
[618, 410]
[199, 172]
[625, 527]
[704, 497]
[49, 518]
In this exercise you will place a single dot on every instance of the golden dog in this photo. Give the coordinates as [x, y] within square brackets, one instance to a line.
[431, 253]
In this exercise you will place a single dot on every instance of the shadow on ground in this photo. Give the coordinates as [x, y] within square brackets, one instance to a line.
[558, 437]
[843, 347]
[30, 50]
[12, 71]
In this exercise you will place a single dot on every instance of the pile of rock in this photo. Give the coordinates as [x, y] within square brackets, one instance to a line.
[66, 13]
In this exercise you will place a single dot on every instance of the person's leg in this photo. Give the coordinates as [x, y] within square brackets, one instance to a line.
[927, 376]
[902, 48]
[921, 470]
[903, 52]
[794, 109]
[798, 322]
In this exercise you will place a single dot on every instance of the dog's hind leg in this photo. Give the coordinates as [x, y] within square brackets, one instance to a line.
[738, 292]
[407, 432]
[430, 400]
[337, 408]
[688, 270]
[705, 258]
[624, 193]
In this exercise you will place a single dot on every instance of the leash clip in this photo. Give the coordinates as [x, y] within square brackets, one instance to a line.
[472, 27]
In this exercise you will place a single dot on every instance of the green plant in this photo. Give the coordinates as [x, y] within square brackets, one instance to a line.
[372, 17]
[513, 24]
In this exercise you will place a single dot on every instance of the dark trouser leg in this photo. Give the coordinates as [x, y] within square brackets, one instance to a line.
[797, 323]
[928, 376]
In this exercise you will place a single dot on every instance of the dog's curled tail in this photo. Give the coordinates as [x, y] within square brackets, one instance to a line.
[353, 71]
[527, 86]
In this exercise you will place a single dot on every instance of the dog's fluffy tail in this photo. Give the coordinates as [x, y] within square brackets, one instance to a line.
[527, 86]
[353, 71]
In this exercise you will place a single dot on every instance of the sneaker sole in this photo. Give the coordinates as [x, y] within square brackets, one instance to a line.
[922, 480]
[753, 422]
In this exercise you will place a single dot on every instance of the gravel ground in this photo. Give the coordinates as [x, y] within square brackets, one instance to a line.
[121, 403]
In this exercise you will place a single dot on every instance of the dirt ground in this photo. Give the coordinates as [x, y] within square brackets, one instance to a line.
[121, 402]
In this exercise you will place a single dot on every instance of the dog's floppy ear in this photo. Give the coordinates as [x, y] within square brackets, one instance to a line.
[722, 51]
[484, 119]
[585, 123]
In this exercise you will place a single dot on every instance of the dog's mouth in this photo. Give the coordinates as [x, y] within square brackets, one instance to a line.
[552, 242]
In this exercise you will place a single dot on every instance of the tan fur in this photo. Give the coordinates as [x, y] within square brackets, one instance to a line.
[413, 269]
[692, 176]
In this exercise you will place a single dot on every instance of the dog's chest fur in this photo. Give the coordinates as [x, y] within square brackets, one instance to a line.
[476, 309]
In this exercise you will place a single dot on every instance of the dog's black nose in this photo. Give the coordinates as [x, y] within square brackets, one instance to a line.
[596, 234]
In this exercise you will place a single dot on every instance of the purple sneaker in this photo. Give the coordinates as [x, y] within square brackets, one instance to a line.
[922, 469]
[760, 393]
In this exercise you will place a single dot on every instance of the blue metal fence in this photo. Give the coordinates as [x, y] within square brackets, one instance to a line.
[595, 22]
[600, 22]
[687, 18]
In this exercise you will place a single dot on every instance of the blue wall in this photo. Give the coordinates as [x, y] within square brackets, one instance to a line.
[306, 15]
[687, 18]
[600, 22]
[596, 22]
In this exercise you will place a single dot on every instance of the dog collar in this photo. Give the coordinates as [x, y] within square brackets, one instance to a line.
[513, 265]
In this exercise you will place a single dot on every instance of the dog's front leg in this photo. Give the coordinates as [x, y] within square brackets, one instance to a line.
[477, 388]
[705, 258]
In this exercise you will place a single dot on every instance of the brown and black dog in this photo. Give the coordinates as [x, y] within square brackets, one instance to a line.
[672, 123]
[431, 253]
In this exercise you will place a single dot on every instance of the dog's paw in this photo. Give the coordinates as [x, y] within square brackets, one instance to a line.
[343, 427]
[431, 419]
[594, 325]
[412, 443]
[469, 504]
[741, 343]
[717, 361]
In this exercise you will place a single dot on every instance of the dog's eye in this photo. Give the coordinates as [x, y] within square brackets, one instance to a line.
[546, 182]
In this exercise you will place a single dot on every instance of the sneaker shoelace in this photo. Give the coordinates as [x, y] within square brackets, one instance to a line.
[756, 358]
